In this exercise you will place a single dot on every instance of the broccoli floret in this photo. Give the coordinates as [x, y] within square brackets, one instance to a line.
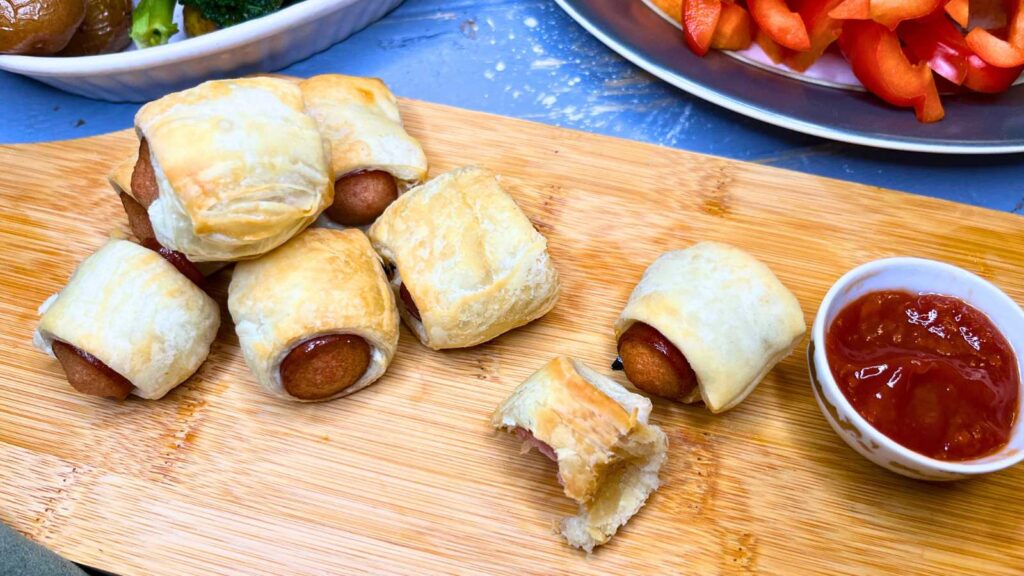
[226, 13]
[153, 23]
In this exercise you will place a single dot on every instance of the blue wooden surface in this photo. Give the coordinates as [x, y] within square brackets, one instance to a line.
[526, 58]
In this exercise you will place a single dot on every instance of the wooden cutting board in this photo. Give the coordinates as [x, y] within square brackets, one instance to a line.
[407, 477]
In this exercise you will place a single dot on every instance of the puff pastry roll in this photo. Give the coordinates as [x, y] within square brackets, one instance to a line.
[128, 323]
[315, 318]
[227, 170]
[597, 431]
[468, 264]
[372, 156]
[706, 323]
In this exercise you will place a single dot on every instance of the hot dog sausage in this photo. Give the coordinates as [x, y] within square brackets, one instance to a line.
[654, 365]
[89, 375]
[138, 219]
[179, 260]
[360, 197]
[144, 186]
[410, 304]
[145, 190]
[323, 366]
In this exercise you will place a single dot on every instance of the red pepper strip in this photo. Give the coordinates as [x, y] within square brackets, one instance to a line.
[959, 11]
[775, 52]
[700, 18]
[983, 77]
[822, 29]
[1016, 10]
[878, 61]
[890, 13]
[936, 40]
[852, 10]
[735, 29]
[673, 8]
[783, 25]
[994, 50]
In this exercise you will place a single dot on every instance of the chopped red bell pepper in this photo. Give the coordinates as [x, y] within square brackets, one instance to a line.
[771, 48]
[995, 50]
[700, 18]
[822, 29]
[936, 40]
[1015, 8]
[959, 11]
[892, 46]
[1008, 53]
[983, 77]
[852, 10]
[891, 12]
[735, 30]
[783, 25]
[878, 61]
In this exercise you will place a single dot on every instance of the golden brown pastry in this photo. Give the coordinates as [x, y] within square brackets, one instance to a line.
[373, 158]
[128, 322]
[608, 455]
[229, 169]
[707, 323]
[468, 264]
[315, 318]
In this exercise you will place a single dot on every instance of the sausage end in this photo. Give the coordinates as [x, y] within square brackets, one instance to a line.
[321, 367]
[178, 260]
[655, 365]
[138, 219]
[144, 186]
[88, 375]
[361, 197]
[410, 304]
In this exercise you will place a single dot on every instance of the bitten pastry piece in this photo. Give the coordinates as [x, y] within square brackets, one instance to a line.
[315, 318]
[227, 170]
[128, 322]
[706, 323]
[372, 156]
[608, 455]
[468, 264]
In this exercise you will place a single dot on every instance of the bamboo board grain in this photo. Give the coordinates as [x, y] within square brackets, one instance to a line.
[406, 477]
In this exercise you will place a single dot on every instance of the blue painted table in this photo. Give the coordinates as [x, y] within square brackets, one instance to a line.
[526, 58]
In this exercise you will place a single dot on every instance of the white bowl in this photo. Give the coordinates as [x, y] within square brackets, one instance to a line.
[918, 276]
[261, 45]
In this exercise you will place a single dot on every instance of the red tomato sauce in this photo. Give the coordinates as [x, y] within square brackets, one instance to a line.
[930, 372]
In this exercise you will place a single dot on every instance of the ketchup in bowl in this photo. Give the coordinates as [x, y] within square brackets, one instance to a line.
[930, 372]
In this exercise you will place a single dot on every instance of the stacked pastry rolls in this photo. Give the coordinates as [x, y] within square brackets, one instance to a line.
[229, 171]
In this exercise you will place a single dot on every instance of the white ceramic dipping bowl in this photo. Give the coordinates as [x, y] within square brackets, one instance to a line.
[917, 276]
